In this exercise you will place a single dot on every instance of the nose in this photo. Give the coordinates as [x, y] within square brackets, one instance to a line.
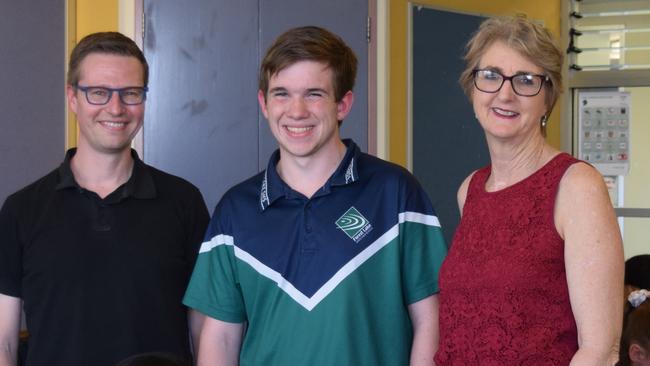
[115, 105]
[297, 108]
[506, 91]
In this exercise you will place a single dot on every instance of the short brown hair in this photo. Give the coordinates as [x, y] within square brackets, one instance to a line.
[311, 44]
[112, 43]
[530, 39]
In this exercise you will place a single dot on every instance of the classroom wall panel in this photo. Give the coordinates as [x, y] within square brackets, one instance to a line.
[32, 64]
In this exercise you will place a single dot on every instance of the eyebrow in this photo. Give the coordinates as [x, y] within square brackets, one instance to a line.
[309, 90]
[277, 89]
[500, 71]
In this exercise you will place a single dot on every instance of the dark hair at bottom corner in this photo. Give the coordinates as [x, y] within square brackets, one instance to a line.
[637, 271]
[636, 329]
[154, 359]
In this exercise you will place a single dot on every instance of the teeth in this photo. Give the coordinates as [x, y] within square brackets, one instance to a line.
[113, 124]
[504, 112]
[298, 129]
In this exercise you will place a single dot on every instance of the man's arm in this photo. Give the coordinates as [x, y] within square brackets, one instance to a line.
[424, 318]
[9, 329]
[220, 343]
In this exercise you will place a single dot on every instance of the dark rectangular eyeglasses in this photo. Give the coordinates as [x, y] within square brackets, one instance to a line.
[99, 95]
[526, 85]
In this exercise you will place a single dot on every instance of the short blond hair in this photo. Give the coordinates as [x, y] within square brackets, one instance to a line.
[531, 40]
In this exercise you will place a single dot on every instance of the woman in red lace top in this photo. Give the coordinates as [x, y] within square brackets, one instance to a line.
[535, 272]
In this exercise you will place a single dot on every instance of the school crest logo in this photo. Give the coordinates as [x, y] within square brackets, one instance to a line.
[354, 225]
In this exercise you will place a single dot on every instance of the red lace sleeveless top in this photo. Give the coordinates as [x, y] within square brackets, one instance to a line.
[504, 298]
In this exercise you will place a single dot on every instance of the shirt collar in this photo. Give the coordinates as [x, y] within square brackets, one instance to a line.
[140, 184]
[273, 187]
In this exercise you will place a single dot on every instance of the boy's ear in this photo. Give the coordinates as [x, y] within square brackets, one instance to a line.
[261, 99]
[344, 106]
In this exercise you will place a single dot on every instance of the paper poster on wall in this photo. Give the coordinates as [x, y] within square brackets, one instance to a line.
[604, 131]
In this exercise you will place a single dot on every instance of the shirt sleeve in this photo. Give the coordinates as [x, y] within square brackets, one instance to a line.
[214, 286]
[423, 244]
[196, 221]
[10, 252]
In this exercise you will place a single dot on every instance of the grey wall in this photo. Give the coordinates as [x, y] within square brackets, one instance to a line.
[202, 120]
[32, 102]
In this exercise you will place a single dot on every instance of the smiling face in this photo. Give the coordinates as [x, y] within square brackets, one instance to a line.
[109, 128]
[302, 112]
[504, 114]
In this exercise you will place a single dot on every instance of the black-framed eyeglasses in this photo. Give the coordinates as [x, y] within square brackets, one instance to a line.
[100, 95]
[525, 85]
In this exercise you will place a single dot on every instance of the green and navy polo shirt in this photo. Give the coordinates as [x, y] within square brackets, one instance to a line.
[325, 280]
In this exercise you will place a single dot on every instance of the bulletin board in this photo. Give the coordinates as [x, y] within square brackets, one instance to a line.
[604, 131]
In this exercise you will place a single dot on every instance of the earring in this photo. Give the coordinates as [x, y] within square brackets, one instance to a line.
[544, 119]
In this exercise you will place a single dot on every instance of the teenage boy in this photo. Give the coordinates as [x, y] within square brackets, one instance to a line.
[328, 257]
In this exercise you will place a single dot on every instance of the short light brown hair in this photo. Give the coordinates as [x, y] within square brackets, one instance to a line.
[530, 39]
[311, 44]
[112, 43]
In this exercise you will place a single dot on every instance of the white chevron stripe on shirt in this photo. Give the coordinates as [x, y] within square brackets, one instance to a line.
[310, 302]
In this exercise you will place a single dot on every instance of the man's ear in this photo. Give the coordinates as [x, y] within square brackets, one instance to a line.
[261, 99]
[637, 353]
[71, 96]
[344, 105]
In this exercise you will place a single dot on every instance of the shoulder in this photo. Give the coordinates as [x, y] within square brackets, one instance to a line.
[247, 188]
[167, 182]
[243, 194]
[167, 178]
[177, 194]
[581, 187]
[392, 184]
[582, 196]
[34, 192]
[581, 177]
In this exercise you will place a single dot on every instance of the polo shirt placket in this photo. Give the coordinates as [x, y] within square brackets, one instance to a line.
[309, 243]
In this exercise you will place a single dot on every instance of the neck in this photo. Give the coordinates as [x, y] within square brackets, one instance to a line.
[512, 163]
[307, 175]
[101, 173]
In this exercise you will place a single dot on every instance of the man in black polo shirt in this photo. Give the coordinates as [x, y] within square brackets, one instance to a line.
[100, 250]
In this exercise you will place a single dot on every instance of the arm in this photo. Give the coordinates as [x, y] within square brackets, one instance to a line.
[593, 255]
[195, 321]
[9, 328]
[424, 318]
[197, 223]
[220, 343]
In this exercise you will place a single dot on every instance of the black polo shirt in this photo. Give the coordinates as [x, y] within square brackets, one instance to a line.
[101, 279]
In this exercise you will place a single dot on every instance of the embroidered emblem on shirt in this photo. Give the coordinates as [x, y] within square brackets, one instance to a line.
[264, 194]
[349, 173]
[354, 225]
